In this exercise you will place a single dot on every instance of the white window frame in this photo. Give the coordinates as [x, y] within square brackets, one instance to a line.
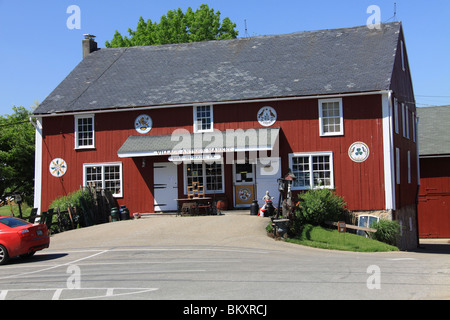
[397, 167]
[321, 117]
[404, 119]
[77, 138]
[409, 166]
[396, 115]
[205, 185]
[414, 126]
[310, 155]
[407, 120]
[196, 124]
[103, 165]
[369, 217]
[402, 49]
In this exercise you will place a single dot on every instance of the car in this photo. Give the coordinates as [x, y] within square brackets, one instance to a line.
[19, 238]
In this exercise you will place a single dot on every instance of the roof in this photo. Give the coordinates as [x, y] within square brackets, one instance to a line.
[298, 64]
[434, 128]
[184, 143]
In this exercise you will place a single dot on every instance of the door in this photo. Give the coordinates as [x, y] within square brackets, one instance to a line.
[165, 186]
[244, 184]
[268, 171]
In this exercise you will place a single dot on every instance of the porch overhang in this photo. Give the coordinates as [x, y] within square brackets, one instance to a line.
[182, 143]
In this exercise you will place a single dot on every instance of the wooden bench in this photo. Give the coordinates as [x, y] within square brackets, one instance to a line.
[350, 226]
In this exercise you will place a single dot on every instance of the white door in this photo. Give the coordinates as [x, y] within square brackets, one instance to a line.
[165, 186]
[267, 175]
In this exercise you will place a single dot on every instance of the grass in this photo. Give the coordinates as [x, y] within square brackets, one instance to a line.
[319, 237]
[6, 210]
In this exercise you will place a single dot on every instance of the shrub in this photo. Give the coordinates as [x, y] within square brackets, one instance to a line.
[317, 206]
[72, 199]
[387, 231]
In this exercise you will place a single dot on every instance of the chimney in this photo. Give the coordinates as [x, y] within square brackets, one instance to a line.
[89, 45]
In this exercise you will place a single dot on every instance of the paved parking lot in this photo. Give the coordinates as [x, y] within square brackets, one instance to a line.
[216, 258]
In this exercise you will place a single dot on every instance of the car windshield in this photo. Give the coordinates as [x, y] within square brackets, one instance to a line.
[13, 222]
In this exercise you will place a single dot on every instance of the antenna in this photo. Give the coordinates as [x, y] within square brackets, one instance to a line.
[246, 33]
[395, 11]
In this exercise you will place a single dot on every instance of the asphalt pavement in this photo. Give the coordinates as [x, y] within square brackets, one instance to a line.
[226, 257]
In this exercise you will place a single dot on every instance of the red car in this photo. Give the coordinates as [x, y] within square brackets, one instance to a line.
[20, 238]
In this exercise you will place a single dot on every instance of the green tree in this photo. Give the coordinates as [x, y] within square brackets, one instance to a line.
[177, 27]
[17, 153]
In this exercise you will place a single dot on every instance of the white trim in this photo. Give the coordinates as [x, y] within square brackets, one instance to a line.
[195, 125]
[396, 116]
[126, 109]
[388, 150]
[38, 165]
[397, 165]
[402, 49]
[409, 166]
[105, 164]
[407, 120]
[403, 120]
[311, 177]
[84, 116]
[341, 118]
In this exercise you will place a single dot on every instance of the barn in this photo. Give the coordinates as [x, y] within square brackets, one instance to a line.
[434, 152]
[232, 116]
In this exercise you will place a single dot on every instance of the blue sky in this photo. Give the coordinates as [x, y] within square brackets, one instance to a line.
[38, 50]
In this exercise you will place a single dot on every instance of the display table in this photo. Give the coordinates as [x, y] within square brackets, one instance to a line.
[195, 206]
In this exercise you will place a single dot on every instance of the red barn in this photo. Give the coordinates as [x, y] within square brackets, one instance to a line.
[335, 106]
[434, 151]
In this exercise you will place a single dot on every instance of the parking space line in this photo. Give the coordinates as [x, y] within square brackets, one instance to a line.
[53, 267]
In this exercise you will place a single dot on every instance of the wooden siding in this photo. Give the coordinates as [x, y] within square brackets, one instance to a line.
[361, 184]
[401, 85]
[434, 198]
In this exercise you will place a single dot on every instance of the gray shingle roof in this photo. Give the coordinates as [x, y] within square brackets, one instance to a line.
[298, 64]
[434, 130]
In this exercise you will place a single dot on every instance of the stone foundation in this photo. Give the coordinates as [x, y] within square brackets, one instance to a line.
[406, 216]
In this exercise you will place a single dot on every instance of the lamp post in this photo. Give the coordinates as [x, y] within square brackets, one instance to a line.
[284, 185]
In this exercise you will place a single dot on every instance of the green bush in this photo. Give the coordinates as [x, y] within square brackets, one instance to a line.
[387, 231]
[317, 206]
[72, 199]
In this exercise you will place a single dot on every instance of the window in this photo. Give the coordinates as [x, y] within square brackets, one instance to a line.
[208, 175]
[203, 119]
[404, 119]
[84, 132]
[312, 170]
[407, 121]
[409, 166]
[397, 159]
[414, 126]
[366, 221]
[402, 48]
[331, 121]
[396, 115]
[105, 176]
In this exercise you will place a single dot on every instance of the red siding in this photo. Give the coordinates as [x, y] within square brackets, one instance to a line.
[434, 198]
[361, 184]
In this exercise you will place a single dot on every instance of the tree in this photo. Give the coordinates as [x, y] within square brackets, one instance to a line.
[17, 153]
[177, 27]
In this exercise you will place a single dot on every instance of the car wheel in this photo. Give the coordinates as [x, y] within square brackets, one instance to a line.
[4, 257]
